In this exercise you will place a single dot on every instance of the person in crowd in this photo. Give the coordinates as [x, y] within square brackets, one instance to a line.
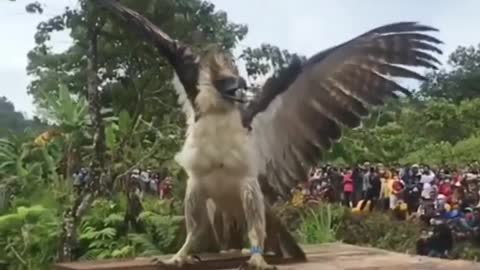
[315, 181]
[445, 187]
[298, 196]
[385, 179]
[396, 191]
[80, 180]
[145, 180]
[348, 188]
[336, 184]
[438, 243]
[400, 210]
[357, 177]
[411, 179]
[154, 183]
[366, 179]
[423, 244]
[427, 191]
[427, 176]
[166, 188]
[373, 190]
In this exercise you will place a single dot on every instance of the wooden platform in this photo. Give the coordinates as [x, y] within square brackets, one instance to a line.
[334, 256]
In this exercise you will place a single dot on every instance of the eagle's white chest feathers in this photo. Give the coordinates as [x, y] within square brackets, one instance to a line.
[218, 154]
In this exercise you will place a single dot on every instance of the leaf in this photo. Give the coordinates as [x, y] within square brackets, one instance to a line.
[124, 122]
[111, 138]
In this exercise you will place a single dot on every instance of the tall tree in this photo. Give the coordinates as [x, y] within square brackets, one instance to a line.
[96, 185]
[130, 69]
[461, 81]
[127, 70]
[14, 121]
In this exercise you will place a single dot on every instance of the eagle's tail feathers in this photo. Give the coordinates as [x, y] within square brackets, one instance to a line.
[280, 240]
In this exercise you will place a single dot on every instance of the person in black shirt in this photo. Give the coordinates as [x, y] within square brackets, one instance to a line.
[413, 188]
[441, 242]
[373, 191]
[357, 177]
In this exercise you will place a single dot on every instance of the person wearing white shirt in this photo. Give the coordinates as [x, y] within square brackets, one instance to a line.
[427, 177]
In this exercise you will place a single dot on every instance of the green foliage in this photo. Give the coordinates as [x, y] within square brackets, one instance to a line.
[435, 154]
[466, 251]
[163, 234]
[378, 230]
[133, 76]
[65, 110]
[260, 61]
[28, 237]
[22, 165]
[460, 82]
[444, 153]
[101, 233]
[104, 234]
[319, 224]
[144, 128]
[329, 223]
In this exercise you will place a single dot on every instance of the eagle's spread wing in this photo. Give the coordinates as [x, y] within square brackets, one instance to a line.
[300, 111]
[179, 55]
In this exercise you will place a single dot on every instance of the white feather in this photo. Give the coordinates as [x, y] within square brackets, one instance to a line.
[183, 101]
[218, 152]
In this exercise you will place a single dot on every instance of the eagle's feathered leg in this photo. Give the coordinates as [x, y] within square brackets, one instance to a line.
[215, 217]
[196, 221]
[279, 240]
[254, 208]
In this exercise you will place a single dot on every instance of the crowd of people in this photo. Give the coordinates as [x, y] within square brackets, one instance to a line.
[443, 199]
[144, 181]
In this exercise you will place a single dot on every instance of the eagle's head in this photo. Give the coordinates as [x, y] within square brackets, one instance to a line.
[219, 83]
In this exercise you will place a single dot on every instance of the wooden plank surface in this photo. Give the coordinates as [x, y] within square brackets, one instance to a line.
[335, 256]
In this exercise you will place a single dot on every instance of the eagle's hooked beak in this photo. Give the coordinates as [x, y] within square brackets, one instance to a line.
[229, 86]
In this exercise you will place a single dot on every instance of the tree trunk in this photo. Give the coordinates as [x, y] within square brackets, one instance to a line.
[96, 185]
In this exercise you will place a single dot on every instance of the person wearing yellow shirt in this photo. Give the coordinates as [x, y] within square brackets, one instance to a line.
[298, 198]
[386, 188]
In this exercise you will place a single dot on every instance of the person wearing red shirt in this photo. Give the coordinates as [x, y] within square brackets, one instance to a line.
[348, 188]
[396, 192]
[165, 188]
[445, 188]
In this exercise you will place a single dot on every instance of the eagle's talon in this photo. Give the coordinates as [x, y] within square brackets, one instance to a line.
[257, 262]
[245, 251]
[176, 261]
[197, 258]
[248, 266]
[229, 251]
[155, 260]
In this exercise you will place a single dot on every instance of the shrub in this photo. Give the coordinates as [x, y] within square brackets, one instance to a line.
[378, 230]
[28, 238]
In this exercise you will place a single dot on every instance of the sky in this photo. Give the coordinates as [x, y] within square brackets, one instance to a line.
[302, 26]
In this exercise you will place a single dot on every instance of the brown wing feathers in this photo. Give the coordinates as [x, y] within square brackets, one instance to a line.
[335, 88]
[271, 89]
[179, 55]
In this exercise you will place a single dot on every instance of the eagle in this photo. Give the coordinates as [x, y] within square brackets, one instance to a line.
[239, 156]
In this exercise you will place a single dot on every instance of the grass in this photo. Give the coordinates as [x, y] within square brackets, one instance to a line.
[318, 225]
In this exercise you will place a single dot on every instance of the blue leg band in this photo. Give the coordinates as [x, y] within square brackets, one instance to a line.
[256, 250]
